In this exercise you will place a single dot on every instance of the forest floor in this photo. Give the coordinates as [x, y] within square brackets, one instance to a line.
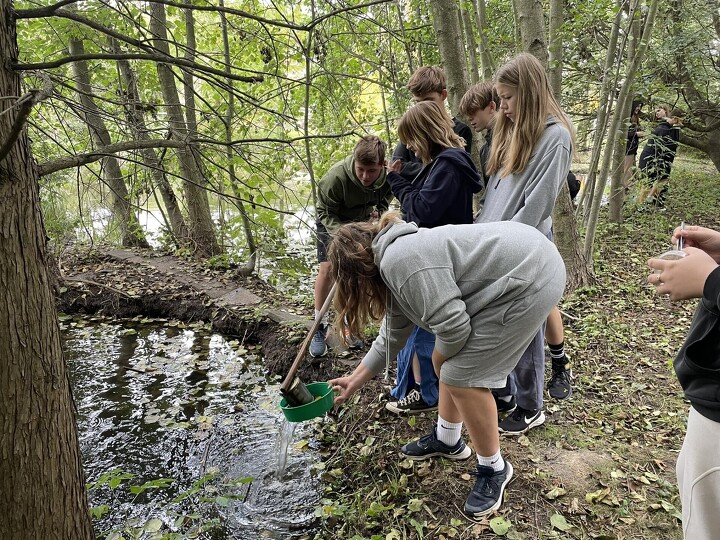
[601, 467]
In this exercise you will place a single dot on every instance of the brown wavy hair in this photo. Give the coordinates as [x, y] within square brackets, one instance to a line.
[360, 292]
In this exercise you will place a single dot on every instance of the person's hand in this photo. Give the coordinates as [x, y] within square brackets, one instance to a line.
[682, 278]
[640, 134]
[699, 237]
[345, 387]
[395, 166]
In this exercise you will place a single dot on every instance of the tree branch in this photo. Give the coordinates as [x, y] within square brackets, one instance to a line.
[134, 56]
[83, 159]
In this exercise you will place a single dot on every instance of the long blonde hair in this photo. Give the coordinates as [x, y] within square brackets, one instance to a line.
[429, 130]
[360, 292]
[514, 141]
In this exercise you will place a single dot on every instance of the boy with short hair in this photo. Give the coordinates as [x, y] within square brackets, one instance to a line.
[479, 104]
[427, 83]
[354, 189]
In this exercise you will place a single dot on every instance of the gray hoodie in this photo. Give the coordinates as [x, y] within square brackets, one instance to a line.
[451, 279]
[529, 197]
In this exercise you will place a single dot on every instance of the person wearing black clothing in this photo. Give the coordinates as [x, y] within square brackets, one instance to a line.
[658, 155]
[697, 366]
[634, 135]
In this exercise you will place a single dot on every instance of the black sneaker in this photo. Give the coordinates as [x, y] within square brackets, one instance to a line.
[413, 403]
[504, 406]
[429, 446]
[487, 493]
[318, 345]
[353, 342]
[521, 421]
[560, 385]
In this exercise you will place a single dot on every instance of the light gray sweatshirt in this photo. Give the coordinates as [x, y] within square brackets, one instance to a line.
[449, 279]
[529, 196]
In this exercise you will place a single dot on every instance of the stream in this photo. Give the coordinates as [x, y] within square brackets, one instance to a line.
[180, 432]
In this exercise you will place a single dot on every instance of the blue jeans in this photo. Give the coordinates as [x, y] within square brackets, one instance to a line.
[421, 342]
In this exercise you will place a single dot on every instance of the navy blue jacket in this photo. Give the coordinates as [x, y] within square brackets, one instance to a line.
[412, 164]
[441, 194]
[698, 363]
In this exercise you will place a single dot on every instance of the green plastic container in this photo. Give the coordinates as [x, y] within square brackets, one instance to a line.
[323, 403]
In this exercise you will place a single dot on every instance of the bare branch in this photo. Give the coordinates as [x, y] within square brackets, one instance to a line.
[83, 159]
[134, 56]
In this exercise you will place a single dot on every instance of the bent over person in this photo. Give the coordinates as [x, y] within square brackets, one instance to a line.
[482, 290]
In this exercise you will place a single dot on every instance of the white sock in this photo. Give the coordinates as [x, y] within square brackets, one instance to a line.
[496, 462]
[448, 432]
[325, 319]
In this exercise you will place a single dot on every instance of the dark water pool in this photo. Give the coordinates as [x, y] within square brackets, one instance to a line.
[179, 428]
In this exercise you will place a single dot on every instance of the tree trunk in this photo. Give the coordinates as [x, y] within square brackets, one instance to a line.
[202, 229]
[131, 235]
[42, 486]
[249, 266]
[136, 119]
[471, 46]
[624, 91]
[445, 16]
[485, 59]
[531, 24]
[555, 59]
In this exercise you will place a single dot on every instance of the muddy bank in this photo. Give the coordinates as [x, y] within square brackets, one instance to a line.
[126, 284]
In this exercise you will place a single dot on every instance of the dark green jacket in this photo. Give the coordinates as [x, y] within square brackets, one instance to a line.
[343, 199]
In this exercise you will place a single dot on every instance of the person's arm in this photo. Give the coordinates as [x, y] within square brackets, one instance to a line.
[541, 191]
[330, 202]
[425, 204]
[466, 133]
[434, 296]
[411, 166]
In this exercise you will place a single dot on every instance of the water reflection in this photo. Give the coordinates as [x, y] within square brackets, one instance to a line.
[166, 402]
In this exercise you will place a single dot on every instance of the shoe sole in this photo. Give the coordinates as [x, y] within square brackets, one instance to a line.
[539, 421]
[393, 408]
[319, 355]
[507, 411]
[561, 398]
[510, 477]
[466, 453]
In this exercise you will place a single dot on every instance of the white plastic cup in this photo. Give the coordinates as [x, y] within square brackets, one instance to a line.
[672, 255]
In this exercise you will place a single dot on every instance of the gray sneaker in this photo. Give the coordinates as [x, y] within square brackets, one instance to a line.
[318, 345]
[487, 493]
[429, 446]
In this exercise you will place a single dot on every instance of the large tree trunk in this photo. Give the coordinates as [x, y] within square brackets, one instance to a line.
[446, 17]
[131, 235]
[531, 24]
[42, 486]
[202, 229]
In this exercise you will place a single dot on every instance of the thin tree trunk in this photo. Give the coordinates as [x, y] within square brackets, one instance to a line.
[136, 119]
[131, 235]
[555, 58]
[249, 266]
[471, 46]
[608, 82]
[42, 485]
[617, 118]
[445, 16]
[202, 229]
[485, 59]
